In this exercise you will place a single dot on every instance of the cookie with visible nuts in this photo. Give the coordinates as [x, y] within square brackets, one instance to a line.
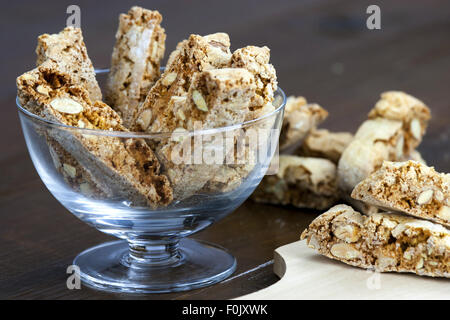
[192, 56]
[257, 61]
[385, 242]
[409, 187]
[300, 117]
[75, 175]
[67, 48]
[127, 167]
[386, 135]
[135, 62]
[301, 182]
[322, 143]
[217, 98]
[69, 53]
[413, 113]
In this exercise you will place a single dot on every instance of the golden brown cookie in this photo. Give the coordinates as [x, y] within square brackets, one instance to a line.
[385, 242]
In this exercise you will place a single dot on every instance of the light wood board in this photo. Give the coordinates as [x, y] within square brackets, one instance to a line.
[307, 275]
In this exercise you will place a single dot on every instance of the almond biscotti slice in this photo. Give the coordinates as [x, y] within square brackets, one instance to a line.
[409, 187]
[122, 167]
[385, 242]
[217, 98]
[135, 62]
[257, 61]
[325, 144]
[387, 135]
[68, 51]
[301, 182]
[413, 113]
[67, 48]
[75, 175]
[375, 141]
[192, 56]
[300, 117]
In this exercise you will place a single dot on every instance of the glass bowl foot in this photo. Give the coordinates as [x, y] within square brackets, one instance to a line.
[197, 264]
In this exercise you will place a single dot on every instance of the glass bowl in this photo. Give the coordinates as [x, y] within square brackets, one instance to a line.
[154, 254]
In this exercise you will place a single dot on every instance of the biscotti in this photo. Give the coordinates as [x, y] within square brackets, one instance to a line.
[395, 127]
[301, 182]
[300, 117]
[67, 48]
[257, 61]
[385, 242]
[409, 187]
[126, 167]
[321, 143]
[75, 175]
[69, 54]
[217, 97]
[194, 55]
[135, 62]
[413, 113]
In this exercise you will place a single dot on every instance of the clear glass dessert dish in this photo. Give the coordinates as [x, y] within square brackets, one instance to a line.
[153, 255]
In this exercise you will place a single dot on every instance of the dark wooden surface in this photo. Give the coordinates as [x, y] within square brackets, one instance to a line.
[321, 49]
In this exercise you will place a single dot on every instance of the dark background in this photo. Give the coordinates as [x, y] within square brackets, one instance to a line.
[321, 50]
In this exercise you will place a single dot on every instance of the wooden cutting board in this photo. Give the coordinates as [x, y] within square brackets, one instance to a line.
[307, 275]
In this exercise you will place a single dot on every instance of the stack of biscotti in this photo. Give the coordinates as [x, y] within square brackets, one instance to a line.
[204, 86]
[120, 167]
[382, 241]
[410, 231]
[393, 131]
[405, 204]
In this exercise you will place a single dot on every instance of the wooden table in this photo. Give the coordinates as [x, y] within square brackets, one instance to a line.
[321, 49]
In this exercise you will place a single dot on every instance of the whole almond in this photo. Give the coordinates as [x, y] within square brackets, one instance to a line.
[66, 105]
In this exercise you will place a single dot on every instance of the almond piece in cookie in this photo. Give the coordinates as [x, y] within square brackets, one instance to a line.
[301, 182]
[409, 187]
[121, 167]
[67, 48]
[135, 62]
[385, 242]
